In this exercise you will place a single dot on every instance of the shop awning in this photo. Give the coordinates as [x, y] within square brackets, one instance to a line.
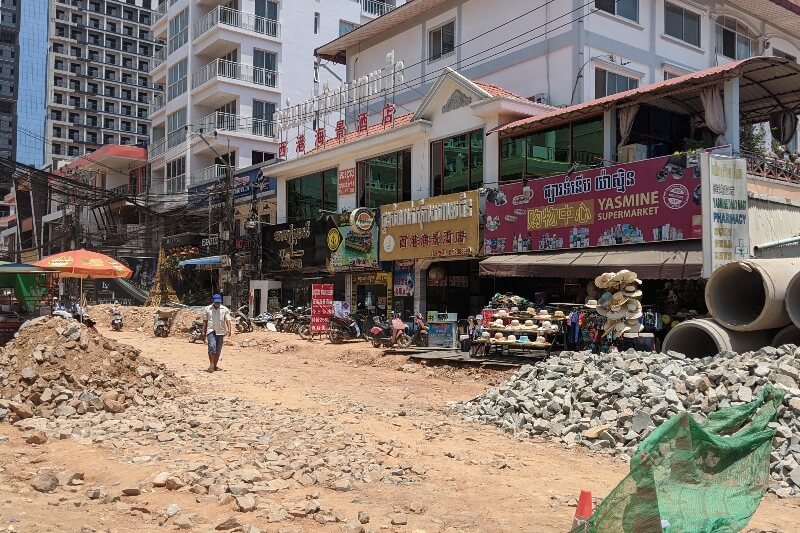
[202, 261]
[667, 260]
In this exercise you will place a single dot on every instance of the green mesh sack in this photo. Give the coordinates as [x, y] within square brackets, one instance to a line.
[699, 477]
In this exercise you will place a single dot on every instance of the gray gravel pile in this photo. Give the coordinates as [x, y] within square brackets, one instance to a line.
[611, 402]
[57, 368]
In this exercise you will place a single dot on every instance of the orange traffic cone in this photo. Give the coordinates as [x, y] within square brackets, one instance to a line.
[584, 511]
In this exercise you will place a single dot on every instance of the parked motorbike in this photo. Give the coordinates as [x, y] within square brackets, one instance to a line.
[242, 321]
[116, 319]
[286, 320]
[420, 337]
[162, 322]
[303, 325]
[264, 321]
[388, 334]
[196, 331]
[345, 329]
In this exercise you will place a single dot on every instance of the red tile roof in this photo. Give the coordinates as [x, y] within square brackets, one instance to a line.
[333, 142]
[494, 90]
[106, 152]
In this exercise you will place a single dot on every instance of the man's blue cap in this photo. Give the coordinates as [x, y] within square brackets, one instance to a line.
[216, 299]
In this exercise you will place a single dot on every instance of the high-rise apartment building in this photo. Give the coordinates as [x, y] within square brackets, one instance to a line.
[98, 85]
[9, 61]
[32, 82]
[226, 67]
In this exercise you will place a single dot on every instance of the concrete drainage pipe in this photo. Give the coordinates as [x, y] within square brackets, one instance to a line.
[788, 335]
[706, 338]
[793, 299]
[749, 295]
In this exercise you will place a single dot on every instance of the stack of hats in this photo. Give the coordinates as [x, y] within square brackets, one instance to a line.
[620, 302]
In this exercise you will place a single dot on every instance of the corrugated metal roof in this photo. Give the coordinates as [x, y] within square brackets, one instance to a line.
[766, 84]
[336, 50]
[772, 221]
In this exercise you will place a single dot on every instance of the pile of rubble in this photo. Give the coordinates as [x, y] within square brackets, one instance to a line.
[612, 402]
[141, 318]
[58, 368]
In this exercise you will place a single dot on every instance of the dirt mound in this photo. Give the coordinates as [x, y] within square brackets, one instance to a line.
[58, 368]
[141, 318]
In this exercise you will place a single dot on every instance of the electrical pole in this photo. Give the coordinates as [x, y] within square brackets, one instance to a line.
[231, 287]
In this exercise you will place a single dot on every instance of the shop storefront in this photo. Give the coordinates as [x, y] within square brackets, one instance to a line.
[297, 255]
[441, 236]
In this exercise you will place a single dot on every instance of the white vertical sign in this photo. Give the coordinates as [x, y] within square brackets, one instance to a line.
[726, 228]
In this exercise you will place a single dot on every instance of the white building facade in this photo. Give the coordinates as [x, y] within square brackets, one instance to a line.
[565, 51]
[226, 67]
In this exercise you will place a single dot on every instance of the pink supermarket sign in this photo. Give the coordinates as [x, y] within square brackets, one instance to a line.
[645, 201]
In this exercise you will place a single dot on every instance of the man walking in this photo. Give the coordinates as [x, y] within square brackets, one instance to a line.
[216, 323]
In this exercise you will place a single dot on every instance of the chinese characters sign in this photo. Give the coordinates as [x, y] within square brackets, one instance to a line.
[644, 201]
[727, 231]
[347, 182]
[321, 306]
[444, 226]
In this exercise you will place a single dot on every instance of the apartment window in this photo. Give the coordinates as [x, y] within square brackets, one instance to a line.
[108, 139]
[125, 126]
[108, 124]
[670, 75]
[554, 151]
[628, 9]
[346, 27]
[176, 128]
[176, 79]
[179, 30]
[778, 53]
[306, 196]
[108, 107]
[457, 163]
[266, 17]
[316, 23]
[57, 149]
[262, 118]
[57, 132]
[176, 175]
[257, 157]
[126, 110]
[682, 24]
[141, 129]
[606, 83]
[264, 71]
[384, 179]
[442, 41]
[734, 40]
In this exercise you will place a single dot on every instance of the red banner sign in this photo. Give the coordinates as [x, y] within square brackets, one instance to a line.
[347, 182]
[321, 306]
[645, 201]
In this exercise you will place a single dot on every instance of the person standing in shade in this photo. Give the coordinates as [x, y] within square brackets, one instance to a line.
[217, 322]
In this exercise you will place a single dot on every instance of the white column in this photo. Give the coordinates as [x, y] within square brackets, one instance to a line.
[609, 136]
[731, 106]
[420, 286]
[491, 157]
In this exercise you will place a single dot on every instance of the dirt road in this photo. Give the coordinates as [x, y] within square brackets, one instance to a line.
[447, 474]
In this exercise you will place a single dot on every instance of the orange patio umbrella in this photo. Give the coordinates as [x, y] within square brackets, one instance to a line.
[85, 264]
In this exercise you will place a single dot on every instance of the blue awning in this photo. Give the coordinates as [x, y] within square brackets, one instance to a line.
[202, 261]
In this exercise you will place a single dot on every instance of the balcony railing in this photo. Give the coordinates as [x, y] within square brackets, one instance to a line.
[129, 189]
[221, 68]
[226, 16]
[159, 101]
[160, 12]
[772, 168]
[375, 8]
[230, 122]
[208, 174]
[158, 58]
[157, 148]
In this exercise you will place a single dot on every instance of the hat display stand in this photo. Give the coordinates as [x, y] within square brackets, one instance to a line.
[619, 302]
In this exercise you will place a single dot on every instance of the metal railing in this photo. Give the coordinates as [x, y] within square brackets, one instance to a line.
[375, 7]
[772, 168]
[157, 148]
[208, 174]
[230, 122]
[158, 58]
[159, 101]
[221, 68]
[226, 16]
[160, 12]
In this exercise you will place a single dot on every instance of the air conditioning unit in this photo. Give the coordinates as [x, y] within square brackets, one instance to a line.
[540, 98]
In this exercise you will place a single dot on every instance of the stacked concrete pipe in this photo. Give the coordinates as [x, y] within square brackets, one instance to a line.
[793, 299]
[749, 302]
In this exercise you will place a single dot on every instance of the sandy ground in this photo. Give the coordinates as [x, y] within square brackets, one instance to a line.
[477, 478]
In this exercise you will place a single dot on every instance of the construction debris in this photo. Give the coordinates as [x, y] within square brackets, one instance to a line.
[610, 402]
